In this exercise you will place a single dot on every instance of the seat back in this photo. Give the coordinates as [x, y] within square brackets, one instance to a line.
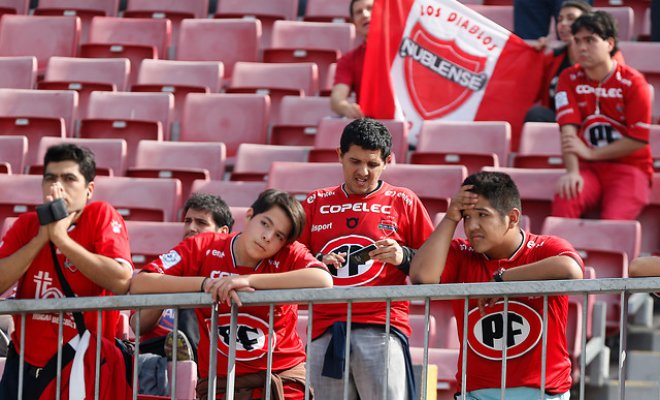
[299, 76]
[235, 194]
[132, 31]
[169, 74]
[13, 151]
[15, 7]
[18, 72]
[106, 8]
[189, 8]
[649, 219]
[19, 194]
[149, 239]
[299, 179]
[540, 146]
[298, 119]
[637, 56]
[182, 155]
[313, 35]
[327, 11]
[109, 154]
[253, 161]
[112, 71]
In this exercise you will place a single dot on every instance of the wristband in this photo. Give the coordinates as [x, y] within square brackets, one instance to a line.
[319, 256]
[497, 276]
[201, 289]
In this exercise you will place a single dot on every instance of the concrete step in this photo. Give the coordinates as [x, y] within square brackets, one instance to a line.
[635, 390]
[642, 338]
[643, 365]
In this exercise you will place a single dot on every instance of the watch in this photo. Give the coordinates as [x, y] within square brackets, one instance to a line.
[497, 276]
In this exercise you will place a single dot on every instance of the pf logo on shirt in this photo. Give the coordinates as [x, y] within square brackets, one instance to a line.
[251, 336]
[350, 273]
[486, 332]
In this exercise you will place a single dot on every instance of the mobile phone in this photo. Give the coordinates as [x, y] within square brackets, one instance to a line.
[362, 256]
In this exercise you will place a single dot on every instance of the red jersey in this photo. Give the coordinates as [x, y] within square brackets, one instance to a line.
[338, 222]
[164, 326]
[210, 254]
[525, 320]
[100, 230]
[349, 69]
[620, 106]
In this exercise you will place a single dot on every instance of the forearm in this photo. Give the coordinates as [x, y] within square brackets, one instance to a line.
[557, 267]
[429, 262]
[571, 160]
[15, 265]
[148, 319]
[302, 278]
[617, 149]
[148, 282]
[645, 266]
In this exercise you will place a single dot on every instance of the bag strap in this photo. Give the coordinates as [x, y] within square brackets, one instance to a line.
[77, 315]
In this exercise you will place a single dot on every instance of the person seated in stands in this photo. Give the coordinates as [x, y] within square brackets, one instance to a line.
[498, 250]
[644, 266]
[264, 256]
[348, 75]
[604, 114]
[87, 242]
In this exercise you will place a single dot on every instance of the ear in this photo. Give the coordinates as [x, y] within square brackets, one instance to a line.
[90, 190]
[389, 158]
[249, 214]
[514, 218]
[339, 154]
[611, 42]
[223, 229]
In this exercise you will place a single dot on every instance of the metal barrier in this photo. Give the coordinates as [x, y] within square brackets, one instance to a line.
[594, 353]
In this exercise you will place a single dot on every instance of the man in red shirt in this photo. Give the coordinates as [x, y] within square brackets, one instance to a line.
[93, 252]
[264, 256]
[363, 212]
[497, 249]
[604, 113]
[348, 75]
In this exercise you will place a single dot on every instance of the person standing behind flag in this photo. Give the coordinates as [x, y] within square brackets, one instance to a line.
[348, 75]
[604, 113]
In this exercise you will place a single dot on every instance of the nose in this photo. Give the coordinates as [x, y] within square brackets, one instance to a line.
[267, 235]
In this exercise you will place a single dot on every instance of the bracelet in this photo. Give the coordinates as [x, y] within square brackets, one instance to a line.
[497, 276]
[201, 288]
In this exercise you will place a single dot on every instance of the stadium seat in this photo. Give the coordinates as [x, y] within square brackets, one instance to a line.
[500, 14]
[83, 9]
[649, 219]
[86, 75]
[540, 146]
[654, 141]
[298, 119]
[240, 217]
[149, 239]
[606, 245]
[329, 132]
[329, 81]
[143, 199]
[625, 22]
[266, 11]
[473, 144]
[42, 37]
[537, 189]
[35, 114]
[299, 179]
[637, 55]
[235, 194]
[13, 151]
[445, 359]
[185, 161]
[229, 118]
[433, 184]
[133, 38]
[446, 333]
[253, 161]
[327, 11]
[18, 72]
[317, 42]
[19, 194]
[130, 116]
[227, 41]
[14, 7]
[109, 154]
[186, 378]
[418, 330]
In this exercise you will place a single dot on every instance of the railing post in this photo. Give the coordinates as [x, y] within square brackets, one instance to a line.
[599, 370]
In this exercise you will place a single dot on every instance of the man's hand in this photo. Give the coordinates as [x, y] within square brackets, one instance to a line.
[224, 289]
[336, 260]
[351, 110]
[387, 251]
[462, 200]
[570, 185]
[573, 145]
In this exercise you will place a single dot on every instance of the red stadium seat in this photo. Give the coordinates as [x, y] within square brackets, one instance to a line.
[299, 178]
[143, 199]
[446, 360]
[136, 39]
[109, 154]
[418, 330]
[235, 194]
[229, 118]
[266, 11]
[433, 184]
[83, 9]
[227, 41]
[130, 116]
[42, 37]
[240, 217]
[540, 146]
[637, 55]
[19, 194]
[299, 117]
[625, 22]
[13, 151]
[149, 239]
[35, 114]
[317, 42]
[275, 80]
[18, 72]
[253, 161]
[473, 144]
[86, 75]
[446, 332]
[185, 161]
[649, 219]
[14, 7]
[328, 11]
[329, 81]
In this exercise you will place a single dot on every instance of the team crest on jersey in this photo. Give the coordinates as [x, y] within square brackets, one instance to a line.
[486, 335]
[351, 274]
[429, 59]
[600, 131]
[351, 223]
[251, 336]
[170, 259]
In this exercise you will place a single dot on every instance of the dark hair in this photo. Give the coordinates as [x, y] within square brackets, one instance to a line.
[369, 134]
[214, 204]
[82, 156]
[579, 4]
[350, 8]
[496, 187]
[276, 198]
[600, 23]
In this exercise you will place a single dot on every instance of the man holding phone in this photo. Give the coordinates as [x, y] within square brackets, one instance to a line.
[366, 231]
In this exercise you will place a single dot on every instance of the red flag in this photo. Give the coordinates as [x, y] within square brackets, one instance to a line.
[438, 59]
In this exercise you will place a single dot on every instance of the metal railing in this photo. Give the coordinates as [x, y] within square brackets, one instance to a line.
[593, 352]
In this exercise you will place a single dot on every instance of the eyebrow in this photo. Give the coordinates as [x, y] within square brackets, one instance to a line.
[270, 221]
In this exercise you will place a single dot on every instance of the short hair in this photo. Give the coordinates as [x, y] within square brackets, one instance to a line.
[579, 4]
[599, 23]
[368, 134]
[496, 187]
[82, 156]
[292, 208]
[350, 8]
[219, 210]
